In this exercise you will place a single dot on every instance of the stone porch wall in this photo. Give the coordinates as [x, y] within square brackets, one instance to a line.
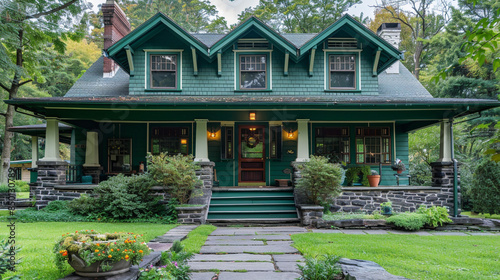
[368, 199]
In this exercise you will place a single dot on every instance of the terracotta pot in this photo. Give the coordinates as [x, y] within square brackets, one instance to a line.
[374, 180]
[400, 171]
[94, 270]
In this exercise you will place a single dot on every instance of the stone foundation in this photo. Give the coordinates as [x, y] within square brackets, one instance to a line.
[368, 199]
[5, 199]
[203, 192]
[310, 214]
[50, 174]
[192, 214]
[443, 179]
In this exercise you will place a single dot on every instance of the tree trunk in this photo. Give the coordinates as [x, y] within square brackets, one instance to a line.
[416, 59]
[9, 115]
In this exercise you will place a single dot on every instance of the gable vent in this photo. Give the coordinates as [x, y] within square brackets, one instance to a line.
[252, 44]
[342, 43]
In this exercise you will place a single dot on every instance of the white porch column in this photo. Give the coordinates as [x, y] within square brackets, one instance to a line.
[34, 151]
[445, 142]
[52, 141]
[302, 140]
[201, 140]
[92, 150]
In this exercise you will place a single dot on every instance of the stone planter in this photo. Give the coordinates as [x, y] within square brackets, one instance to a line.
[94, 270]
[310, 214]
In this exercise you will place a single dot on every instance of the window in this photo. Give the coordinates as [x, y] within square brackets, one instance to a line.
[164, 71]
[373, 145]
[333, 142]
[276, 142]
[119, 155]
[253, 72]
[342, 71]
[171, 140]
[227, 135]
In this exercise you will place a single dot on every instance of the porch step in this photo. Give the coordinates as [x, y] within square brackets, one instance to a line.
[257, 204]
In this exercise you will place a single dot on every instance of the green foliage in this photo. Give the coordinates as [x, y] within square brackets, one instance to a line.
[177, 172]
[435, 215]
[321, 268]
[31, 215]
[352, 175]
[21, 186]
[386, 204]
[408, 221]
[6, 251]
[120, 198]
[320, 180]
[174, 263]
[485, 190]
[4, 188]
[197, 237]
[338, 216]
[56, 206]
[298, 16]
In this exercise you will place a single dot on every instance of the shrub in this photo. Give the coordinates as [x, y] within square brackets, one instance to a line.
[320, 180]
[21, 186]
[84, 205]
[31, 215]
[4, 188]
[485, 189]
[352, 175]
[174, 265]
[177, 172]
[434, 215]
[55, 206]
[322, 268]
[408, 221]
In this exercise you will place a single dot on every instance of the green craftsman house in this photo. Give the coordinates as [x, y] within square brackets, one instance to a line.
[249, 105]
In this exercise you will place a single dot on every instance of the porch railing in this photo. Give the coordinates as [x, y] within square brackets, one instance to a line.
[74, 173]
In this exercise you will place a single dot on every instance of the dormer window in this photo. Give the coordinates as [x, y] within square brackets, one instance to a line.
[163, 70]
[342, 70]
[253, 71]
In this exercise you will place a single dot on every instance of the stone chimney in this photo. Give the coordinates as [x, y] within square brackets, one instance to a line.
[391, 32]
[116, 26]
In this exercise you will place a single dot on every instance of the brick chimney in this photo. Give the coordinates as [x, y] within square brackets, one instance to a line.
[391, 32]
[116, 26]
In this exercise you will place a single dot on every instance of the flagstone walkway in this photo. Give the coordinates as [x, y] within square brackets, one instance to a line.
[260, 253]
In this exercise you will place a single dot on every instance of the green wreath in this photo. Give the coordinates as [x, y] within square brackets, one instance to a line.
[252, 141]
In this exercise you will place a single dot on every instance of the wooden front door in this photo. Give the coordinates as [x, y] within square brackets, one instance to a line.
[252, 153]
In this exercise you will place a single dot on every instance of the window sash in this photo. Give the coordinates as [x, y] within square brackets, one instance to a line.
[252, 64]
[333, 141]
[169, 139]
[373, 146]
[342, 65]
[162, 63]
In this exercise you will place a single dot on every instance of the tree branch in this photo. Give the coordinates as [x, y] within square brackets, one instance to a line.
[3, 114]
[52, 11]
[25, 82]
[4, 87]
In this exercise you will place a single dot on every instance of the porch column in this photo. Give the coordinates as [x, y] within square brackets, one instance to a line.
[445, 142]
[52, 141]
[201, 141]
[92, 150]
[302, 140]
[34, 151]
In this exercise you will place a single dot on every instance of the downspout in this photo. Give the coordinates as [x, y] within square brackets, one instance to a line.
[455, 172]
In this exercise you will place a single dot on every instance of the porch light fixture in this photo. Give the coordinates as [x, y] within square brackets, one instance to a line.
[290, 134]
[212, 134]
[184, 141]
[252, 116]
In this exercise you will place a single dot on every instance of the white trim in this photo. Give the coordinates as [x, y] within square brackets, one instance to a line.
[394, 140]
[235, 70]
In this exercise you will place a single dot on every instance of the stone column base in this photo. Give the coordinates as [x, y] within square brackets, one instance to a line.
[94, 171]
[443, 178]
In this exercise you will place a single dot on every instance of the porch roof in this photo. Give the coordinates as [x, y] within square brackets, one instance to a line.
[39, 130]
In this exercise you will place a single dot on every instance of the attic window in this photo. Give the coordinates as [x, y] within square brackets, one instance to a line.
[342, 43]
[252, 44]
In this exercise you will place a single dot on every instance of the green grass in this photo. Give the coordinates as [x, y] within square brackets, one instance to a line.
[4, 213]
[196, 238]
[477, 215]
[337, 216]
[23, 195]
[411, 256]
[38, 239]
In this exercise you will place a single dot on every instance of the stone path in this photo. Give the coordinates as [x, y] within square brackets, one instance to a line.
[422, 233]
[260, 253]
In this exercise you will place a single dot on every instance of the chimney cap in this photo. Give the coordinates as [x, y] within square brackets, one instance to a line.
[389, 26]
[110, 1]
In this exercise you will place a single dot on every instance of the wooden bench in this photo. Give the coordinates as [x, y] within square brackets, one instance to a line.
[282, 182]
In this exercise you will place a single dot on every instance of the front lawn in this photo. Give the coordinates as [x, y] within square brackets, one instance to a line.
[37, 241]
[412, 256]
[478, 215]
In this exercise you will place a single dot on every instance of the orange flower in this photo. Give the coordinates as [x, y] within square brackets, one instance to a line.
[96, 250]
[117, 249]
[76, 231]
[98, 244]
[126, 257]
[140, 251]
[109, 256]
[98, 254]
[65, 253]
[111, 250]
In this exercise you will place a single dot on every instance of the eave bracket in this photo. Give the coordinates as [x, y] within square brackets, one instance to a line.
[130, 59]
[195, 62]
[375, 62]
[311, 61]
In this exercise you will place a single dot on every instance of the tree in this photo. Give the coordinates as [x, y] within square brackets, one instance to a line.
[423, 23]
[192, 15]
[26, 28]
[299, 16]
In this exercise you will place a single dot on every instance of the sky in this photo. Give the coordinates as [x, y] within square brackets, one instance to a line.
[231, 9]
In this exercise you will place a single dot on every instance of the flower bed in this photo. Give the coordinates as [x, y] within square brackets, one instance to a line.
[99, 254]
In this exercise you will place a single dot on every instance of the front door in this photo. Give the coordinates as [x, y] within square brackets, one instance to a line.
[251, 167]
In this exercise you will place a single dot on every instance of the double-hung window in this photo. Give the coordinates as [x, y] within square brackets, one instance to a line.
[373, 145]
[342, 71]
[164, 71]
[253, 71]
[333, 142]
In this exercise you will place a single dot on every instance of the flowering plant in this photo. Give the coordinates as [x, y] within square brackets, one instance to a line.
[103, 248]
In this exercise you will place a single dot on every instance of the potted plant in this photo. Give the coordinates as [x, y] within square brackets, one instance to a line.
[94, 254]
[398, 166]
[373, 178]
[386, 208]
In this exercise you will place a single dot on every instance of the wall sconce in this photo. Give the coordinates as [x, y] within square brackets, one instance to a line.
[212, 133]
[252, 116]
[184, 141]
[290, 134]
